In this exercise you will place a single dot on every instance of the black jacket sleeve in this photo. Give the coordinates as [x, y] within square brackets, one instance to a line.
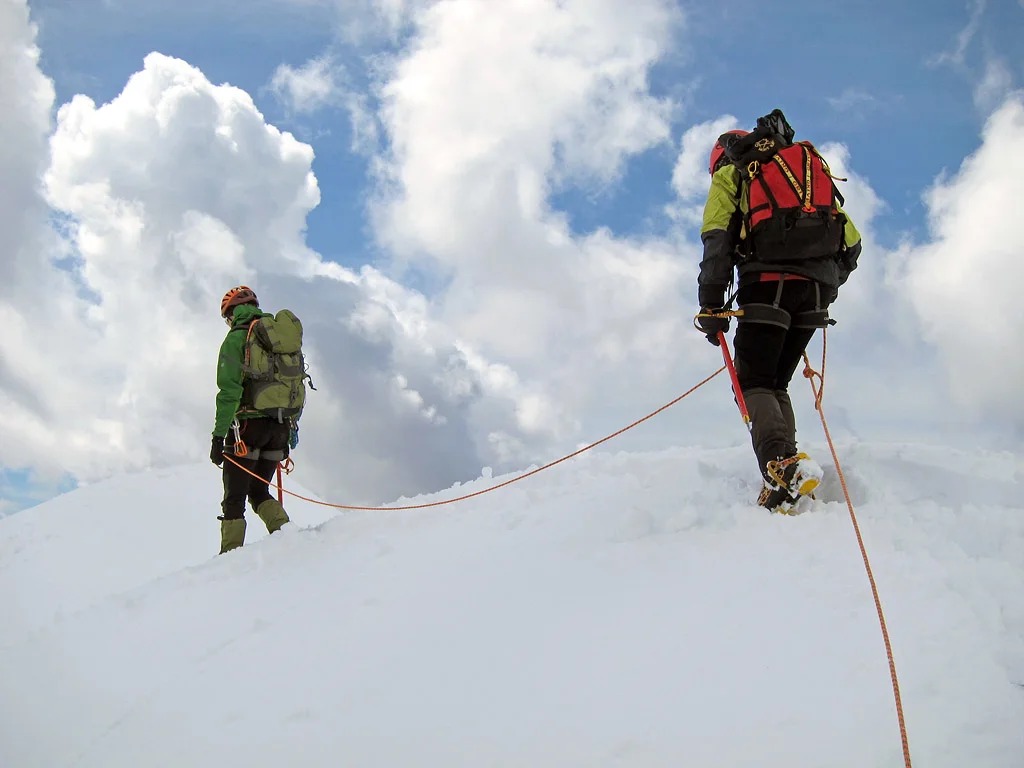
[847, 261]
[719, 233]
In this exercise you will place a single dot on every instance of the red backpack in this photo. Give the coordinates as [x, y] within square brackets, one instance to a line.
[792, 199]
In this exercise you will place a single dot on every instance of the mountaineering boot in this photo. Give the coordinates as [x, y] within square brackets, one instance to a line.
[786, 407]
[770, 430]
[272, 514]
[232, 534]
[787, 481]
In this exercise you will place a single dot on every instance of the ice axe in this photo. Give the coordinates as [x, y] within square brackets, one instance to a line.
[728, 358]
[735, 381]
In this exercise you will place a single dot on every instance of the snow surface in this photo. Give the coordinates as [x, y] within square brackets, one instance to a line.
[616, 610]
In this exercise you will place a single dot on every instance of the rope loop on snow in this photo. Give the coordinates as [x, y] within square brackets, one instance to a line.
[818, 391]
[499, 485]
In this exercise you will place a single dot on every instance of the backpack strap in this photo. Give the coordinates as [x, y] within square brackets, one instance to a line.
[828, 172]
[248, 346]
[756, 178]
[247, 371]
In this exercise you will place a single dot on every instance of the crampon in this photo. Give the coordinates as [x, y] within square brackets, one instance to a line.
[790, 483]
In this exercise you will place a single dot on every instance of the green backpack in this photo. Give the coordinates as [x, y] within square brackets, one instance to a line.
[274, 367]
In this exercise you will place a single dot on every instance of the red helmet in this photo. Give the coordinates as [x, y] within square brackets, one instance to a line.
[240, 295]
[718, 150]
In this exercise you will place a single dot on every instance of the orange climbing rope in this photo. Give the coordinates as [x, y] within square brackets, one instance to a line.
[819, 391]
[493, 487]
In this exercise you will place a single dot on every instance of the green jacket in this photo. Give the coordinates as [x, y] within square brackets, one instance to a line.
[723, 233]
[230, 375]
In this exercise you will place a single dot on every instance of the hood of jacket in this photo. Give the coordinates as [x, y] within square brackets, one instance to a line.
[244, 314]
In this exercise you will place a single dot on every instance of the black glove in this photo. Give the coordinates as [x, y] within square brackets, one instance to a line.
[217, 450]
[711, 326]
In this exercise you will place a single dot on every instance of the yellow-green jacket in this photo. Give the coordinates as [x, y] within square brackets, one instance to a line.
[723, 234]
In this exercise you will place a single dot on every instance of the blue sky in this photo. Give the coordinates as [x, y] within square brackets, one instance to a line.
[20, 489]
[899, 84]
[905, 118]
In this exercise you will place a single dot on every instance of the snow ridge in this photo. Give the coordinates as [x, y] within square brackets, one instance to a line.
[620, 609]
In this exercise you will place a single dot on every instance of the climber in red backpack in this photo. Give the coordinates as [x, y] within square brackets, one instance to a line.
[774, 215]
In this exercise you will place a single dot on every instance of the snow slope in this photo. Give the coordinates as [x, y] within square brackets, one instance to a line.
[616, 610]
[72, 551]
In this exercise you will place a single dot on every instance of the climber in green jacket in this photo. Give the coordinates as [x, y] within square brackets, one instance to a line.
[256, 442]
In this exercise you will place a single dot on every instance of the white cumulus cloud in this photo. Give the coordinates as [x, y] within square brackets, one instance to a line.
[26, 97]
[535, 336]
[169, 194]
[315, 84]
[690, 177]
[963, 282]
[488, 112]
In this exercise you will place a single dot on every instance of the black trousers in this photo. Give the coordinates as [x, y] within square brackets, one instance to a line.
[257, 434]
[769, 344]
